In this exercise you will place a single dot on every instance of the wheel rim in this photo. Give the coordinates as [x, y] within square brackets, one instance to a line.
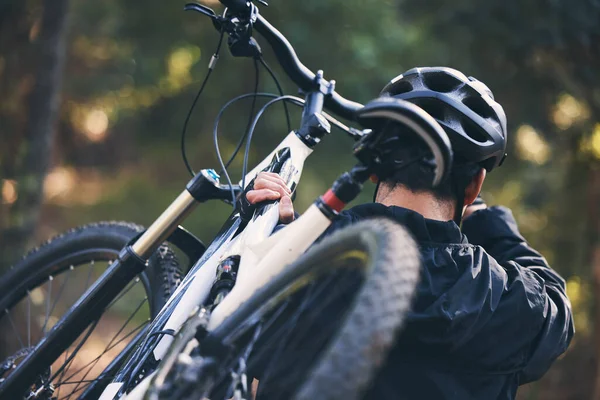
[288, 347]
[44, 298]
[300, 330]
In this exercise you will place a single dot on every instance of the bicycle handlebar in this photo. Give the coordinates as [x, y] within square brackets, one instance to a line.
[235, 5]
[288, 59]
[298, 72]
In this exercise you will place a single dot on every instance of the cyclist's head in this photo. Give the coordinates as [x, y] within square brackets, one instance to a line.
[467, 111]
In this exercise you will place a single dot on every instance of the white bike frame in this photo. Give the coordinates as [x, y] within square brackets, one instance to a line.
[262, 257]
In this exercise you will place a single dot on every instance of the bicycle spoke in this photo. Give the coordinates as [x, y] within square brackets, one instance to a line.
[60, 291]
[127, 321]
[116, 335]
[77, 388]
[298, 337]
[63, 373]
[109, 349]
[300, 331]
[14, 327]
[79, 382]
[287, 328]
[50, 279]
[266, 326]
[275, 316]
[28, 319]
[90, 269]
[93, 356]
[83, 340]
[67, 366]
[124, 292]
[74, 392]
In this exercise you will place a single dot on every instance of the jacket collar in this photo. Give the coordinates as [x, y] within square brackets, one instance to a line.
[422, 229]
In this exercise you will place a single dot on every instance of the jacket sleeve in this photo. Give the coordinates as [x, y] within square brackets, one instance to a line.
[495, 229]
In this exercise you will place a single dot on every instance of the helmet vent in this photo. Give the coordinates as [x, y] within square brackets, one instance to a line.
[441, 82]
[432, 107]
[400, 88]
[472, 130]
[479, 106]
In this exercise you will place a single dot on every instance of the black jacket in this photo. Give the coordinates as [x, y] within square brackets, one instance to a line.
[489, 314]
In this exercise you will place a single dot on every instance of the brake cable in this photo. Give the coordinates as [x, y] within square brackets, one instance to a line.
[291, 99]
[270, 71]
[211, 66]
[242, 139]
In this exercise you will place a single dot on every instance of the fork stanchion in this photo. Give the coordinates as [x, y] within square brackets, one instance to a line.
[202, 187]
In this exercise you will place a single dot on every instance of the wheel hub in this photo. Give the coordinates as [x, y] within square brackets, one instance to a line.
[41, 389]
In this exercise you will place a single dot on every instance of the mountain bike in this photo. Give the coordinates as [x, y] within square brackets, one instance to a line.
[308, 317]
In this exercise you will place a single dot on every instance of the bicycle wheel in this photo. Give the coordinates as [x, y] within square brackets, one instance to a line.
[42, 287]
[326, 322]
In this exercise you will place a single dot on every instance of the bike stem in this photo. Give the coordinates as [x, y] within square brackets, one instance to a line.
[314, 125]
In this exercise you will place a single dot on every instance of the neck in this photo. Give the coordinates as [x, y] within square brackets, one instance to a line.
[424, 203]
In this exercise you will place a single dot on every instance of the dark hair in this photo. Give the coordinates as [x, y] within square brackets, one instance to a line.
[417, 175]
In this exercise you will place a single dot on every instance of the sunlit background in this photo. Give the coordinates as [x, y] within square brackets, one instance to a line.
[92, 106]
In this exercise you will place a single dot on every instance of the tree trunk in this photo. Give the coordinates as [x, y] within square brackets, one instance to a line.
[34, 150]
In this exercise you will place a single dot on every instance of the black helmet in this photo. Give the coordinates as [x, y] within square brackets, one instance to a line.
[463, 106]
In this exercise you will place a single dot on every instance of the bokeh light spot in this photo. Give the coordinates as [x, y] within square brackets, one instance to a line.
[96, 124]
[9, 191]
[595, 141]
[59, 182]
[531, 146]
[569, 110]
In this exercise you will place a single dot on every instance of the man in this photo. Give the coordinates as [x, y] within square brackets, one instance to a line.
[489, 314]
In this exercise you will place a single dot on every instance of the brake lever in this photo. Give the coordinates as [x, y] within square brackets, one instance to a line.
[217, 20]
[202, 9]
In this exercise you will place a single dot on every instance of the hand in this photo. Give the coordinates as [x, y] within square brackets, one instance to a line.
[270, 186]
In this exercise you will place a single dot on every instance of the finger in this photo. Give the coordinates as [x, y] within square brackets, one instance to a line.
[270, 174]
[262, 183]
[286, 210]
[275, 178]
[256, 196]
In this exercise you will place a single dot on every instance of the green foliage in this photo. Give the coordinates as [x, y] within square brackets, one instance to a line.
[134, 68]
[141, 70]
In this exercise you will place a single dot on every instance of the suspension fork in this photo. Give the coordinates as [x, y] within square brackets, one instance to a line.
[131, 261]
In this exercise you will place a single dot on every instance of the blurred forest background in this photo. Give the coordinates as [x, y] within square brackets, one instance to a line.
[93, 96]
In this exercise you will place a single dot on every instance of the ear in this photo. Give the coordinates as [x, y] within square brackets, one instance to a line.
[473, 189]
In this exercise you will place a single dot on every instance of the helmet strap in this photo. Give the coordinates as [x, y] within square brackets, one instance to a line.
[460, 199]
[376, 190]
